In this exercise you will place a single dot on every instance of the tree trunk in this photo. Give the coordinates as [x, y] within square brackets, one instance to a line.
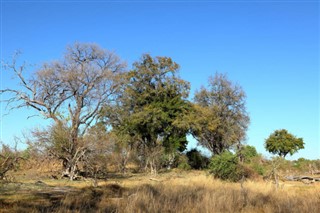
[70, 170]
[153, 167]
[276, 179]
[170, 161]
[76, 153]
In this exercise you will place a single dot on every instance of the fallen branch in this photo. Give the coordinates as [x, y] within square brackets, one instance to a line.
[153, 179]
[301, 178]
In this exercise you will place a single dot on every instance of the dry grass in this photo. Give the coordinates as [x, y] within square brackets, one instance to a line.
[198, 192]
[171, 192]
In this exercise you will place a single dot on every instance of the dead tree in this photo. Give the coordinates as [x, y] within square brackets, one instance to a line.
[71, 92]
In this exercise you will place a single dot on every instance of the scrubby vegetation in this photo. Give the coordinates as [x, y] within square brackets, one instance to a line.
[36, 186]
[10, 159]
[118, 138]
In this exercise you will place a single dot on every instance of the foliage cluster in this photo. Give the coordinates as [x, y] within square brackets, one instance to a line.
[197, 160]
[228, 166]
[281, 142]
[102, 112]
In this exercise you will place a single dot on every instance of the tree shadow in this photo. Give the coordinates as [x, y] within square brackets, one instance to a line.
[63, 199]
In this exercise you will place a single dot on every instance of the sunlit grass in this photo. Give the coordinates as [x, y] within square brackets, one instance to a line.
[177, 191]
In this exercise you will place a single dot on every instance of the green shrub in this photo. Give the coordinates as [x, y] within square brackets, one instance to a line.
[183, 162]
[197, 160]
[247, 171]
[258, 168]
[226, 167]
[248, 153]
[301, 164]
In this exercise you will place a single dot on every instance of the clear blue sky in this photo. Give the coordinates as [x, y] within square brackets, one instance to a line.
[270, 48]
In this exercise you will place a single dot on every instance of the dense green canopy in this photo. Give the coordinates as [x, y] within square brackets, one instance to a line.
[281, 142]
[151, 106]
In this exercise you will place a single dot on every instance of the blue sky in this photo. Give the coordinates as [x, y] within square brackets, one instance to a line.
[270, 48]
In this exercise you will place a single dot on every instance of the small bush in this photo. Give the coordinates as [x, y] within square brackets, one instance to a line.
[197, 160]
[258, 168]
[9, 160]
[183, 162]
[248, 153]
[302, 164]
[247, 171]
[226, 167]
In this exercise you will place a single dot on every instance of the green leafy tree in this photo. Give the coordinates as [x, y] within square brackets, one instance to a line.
[281, 142]
[151, 107]
[222, 119]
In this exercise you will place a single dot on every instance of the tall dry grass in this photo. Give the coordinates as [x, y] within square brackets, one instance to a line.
[181, 192]
[203, 194]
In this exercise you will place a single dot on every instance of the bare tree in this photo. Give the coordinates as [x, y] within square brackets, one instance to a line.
[70, 92]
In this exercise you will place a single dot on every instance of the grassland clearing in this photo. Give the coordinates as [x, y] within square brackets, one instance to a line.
[176, 191]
